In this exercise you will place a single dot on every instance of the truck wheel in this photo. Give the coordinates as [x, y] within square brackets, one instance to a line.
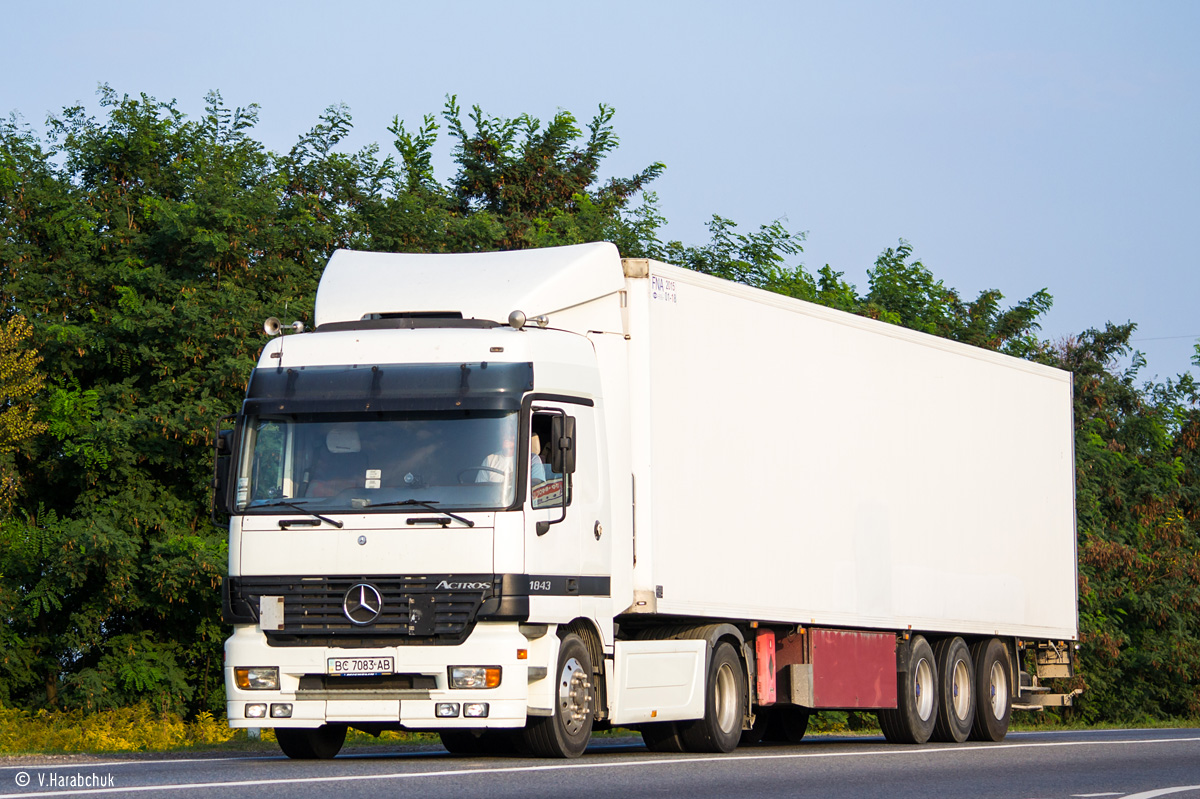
[724, 705]
[478, 742]
[566, 733]
[758, 732]
[956, 690]
[788, 725]
[320, 743]
[662, 736]
[460, 742]
[993, 704]
[916, 697]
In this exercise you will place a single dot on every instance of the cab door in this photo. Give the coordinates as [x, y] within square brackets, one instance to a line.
[564, 580]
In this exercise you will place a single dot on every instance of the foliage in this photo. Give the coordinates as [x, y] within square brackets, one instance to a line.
[135, 728]
[1138, 510]
[145, 249]
[140, 251]
[20, 382]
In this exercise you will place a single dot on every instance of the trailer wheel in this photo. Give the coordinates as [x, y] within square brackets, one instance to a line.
[320, 743]
[993, 704]
[956, 690]
[724, 705]
[916, 710]
[566, 733]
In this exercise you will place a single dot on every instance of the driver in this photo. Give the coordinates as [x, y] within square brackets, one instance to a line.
[340, 464]
[538, 472]
[498, 467]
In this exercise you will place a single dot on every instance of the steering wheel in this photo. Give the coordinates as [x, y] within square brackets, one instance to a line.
[476, 470]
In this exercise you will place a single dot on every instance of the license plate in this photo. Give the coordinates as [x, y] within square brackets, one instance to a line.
[361, 666]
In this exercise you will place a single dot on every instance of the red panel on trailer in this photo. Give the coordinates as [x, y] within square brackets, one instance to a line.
[764, 656]
[853, 669]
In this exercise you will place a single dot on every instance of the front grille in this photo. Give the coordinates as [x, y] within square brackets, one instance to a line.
[413, 609]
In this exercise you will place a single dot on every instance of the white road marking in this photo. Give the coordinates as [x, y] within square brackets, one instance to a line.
[577, 766]
[1085, 795]
[149, 761]
[1162, 792]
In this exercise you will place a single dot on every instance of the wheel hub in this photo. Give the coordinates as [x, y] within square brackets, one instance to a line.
[574, 696]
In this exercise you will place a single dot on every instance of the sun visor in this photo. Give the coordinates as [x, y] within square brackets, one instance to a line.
[386, 387]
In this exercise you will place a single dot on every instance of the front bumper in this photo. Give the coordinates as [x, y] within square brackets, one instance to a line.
[494, 644]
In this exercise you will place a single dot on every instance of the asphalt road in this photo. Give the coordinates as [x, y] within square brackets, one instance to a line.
[1126, 764]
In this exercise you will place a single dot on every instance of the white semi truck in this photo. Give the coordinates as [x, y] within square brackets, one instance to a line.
[514, 497]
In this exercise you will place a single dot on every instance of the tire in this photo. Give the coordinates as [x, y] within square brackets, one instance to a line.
[916, 710]
[757, 733]
[662, 736]
[478, 742]
[567, 732]
[993, 691]
[724, 705]
[956, 690]
[320, 743]
[789, 724]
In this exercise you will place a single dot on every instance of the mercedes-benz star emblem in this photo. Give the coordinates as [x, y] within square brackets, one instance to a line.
[362, 604]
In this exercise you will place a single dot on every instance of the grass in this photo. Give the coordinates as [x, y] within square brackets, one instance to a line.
[140, 729]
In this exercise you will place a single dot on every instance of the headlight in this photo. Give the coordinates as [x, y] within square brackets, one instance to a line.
[257, 678]
[474, 676]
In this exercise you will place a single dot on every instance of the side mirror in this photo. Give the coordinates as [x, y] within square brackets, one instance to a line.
[562, 444]
[220, 484]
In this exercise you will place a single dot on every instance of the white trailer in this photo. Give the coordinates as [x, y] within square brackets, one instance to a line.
[514, 496]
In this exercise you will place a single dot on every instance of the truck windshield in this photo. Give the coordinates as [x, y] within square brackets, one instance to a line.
[460, 460]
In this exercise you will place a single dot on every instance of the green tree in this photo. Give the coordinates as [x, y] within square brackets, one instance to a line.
[1138, 511]
[162, 256]
[904, 292]
[145, 249]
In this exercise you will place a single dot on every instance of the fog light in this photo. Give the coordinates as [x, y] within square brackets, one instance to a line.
[282, 710]
[474, 676]
[446, 710]
[257, 710]
[257, 678]
[475, 710]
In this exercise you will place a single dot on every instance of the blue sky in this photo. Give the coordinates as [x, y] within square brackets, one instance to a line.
[1016, 146]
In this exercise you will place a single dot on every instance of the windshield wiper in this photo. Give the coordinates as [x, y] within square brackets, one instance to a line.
[294, 506]
[427, 506]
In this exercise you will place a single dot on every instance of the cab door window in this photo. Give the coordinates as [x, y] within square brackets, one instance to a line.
[548, 489]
